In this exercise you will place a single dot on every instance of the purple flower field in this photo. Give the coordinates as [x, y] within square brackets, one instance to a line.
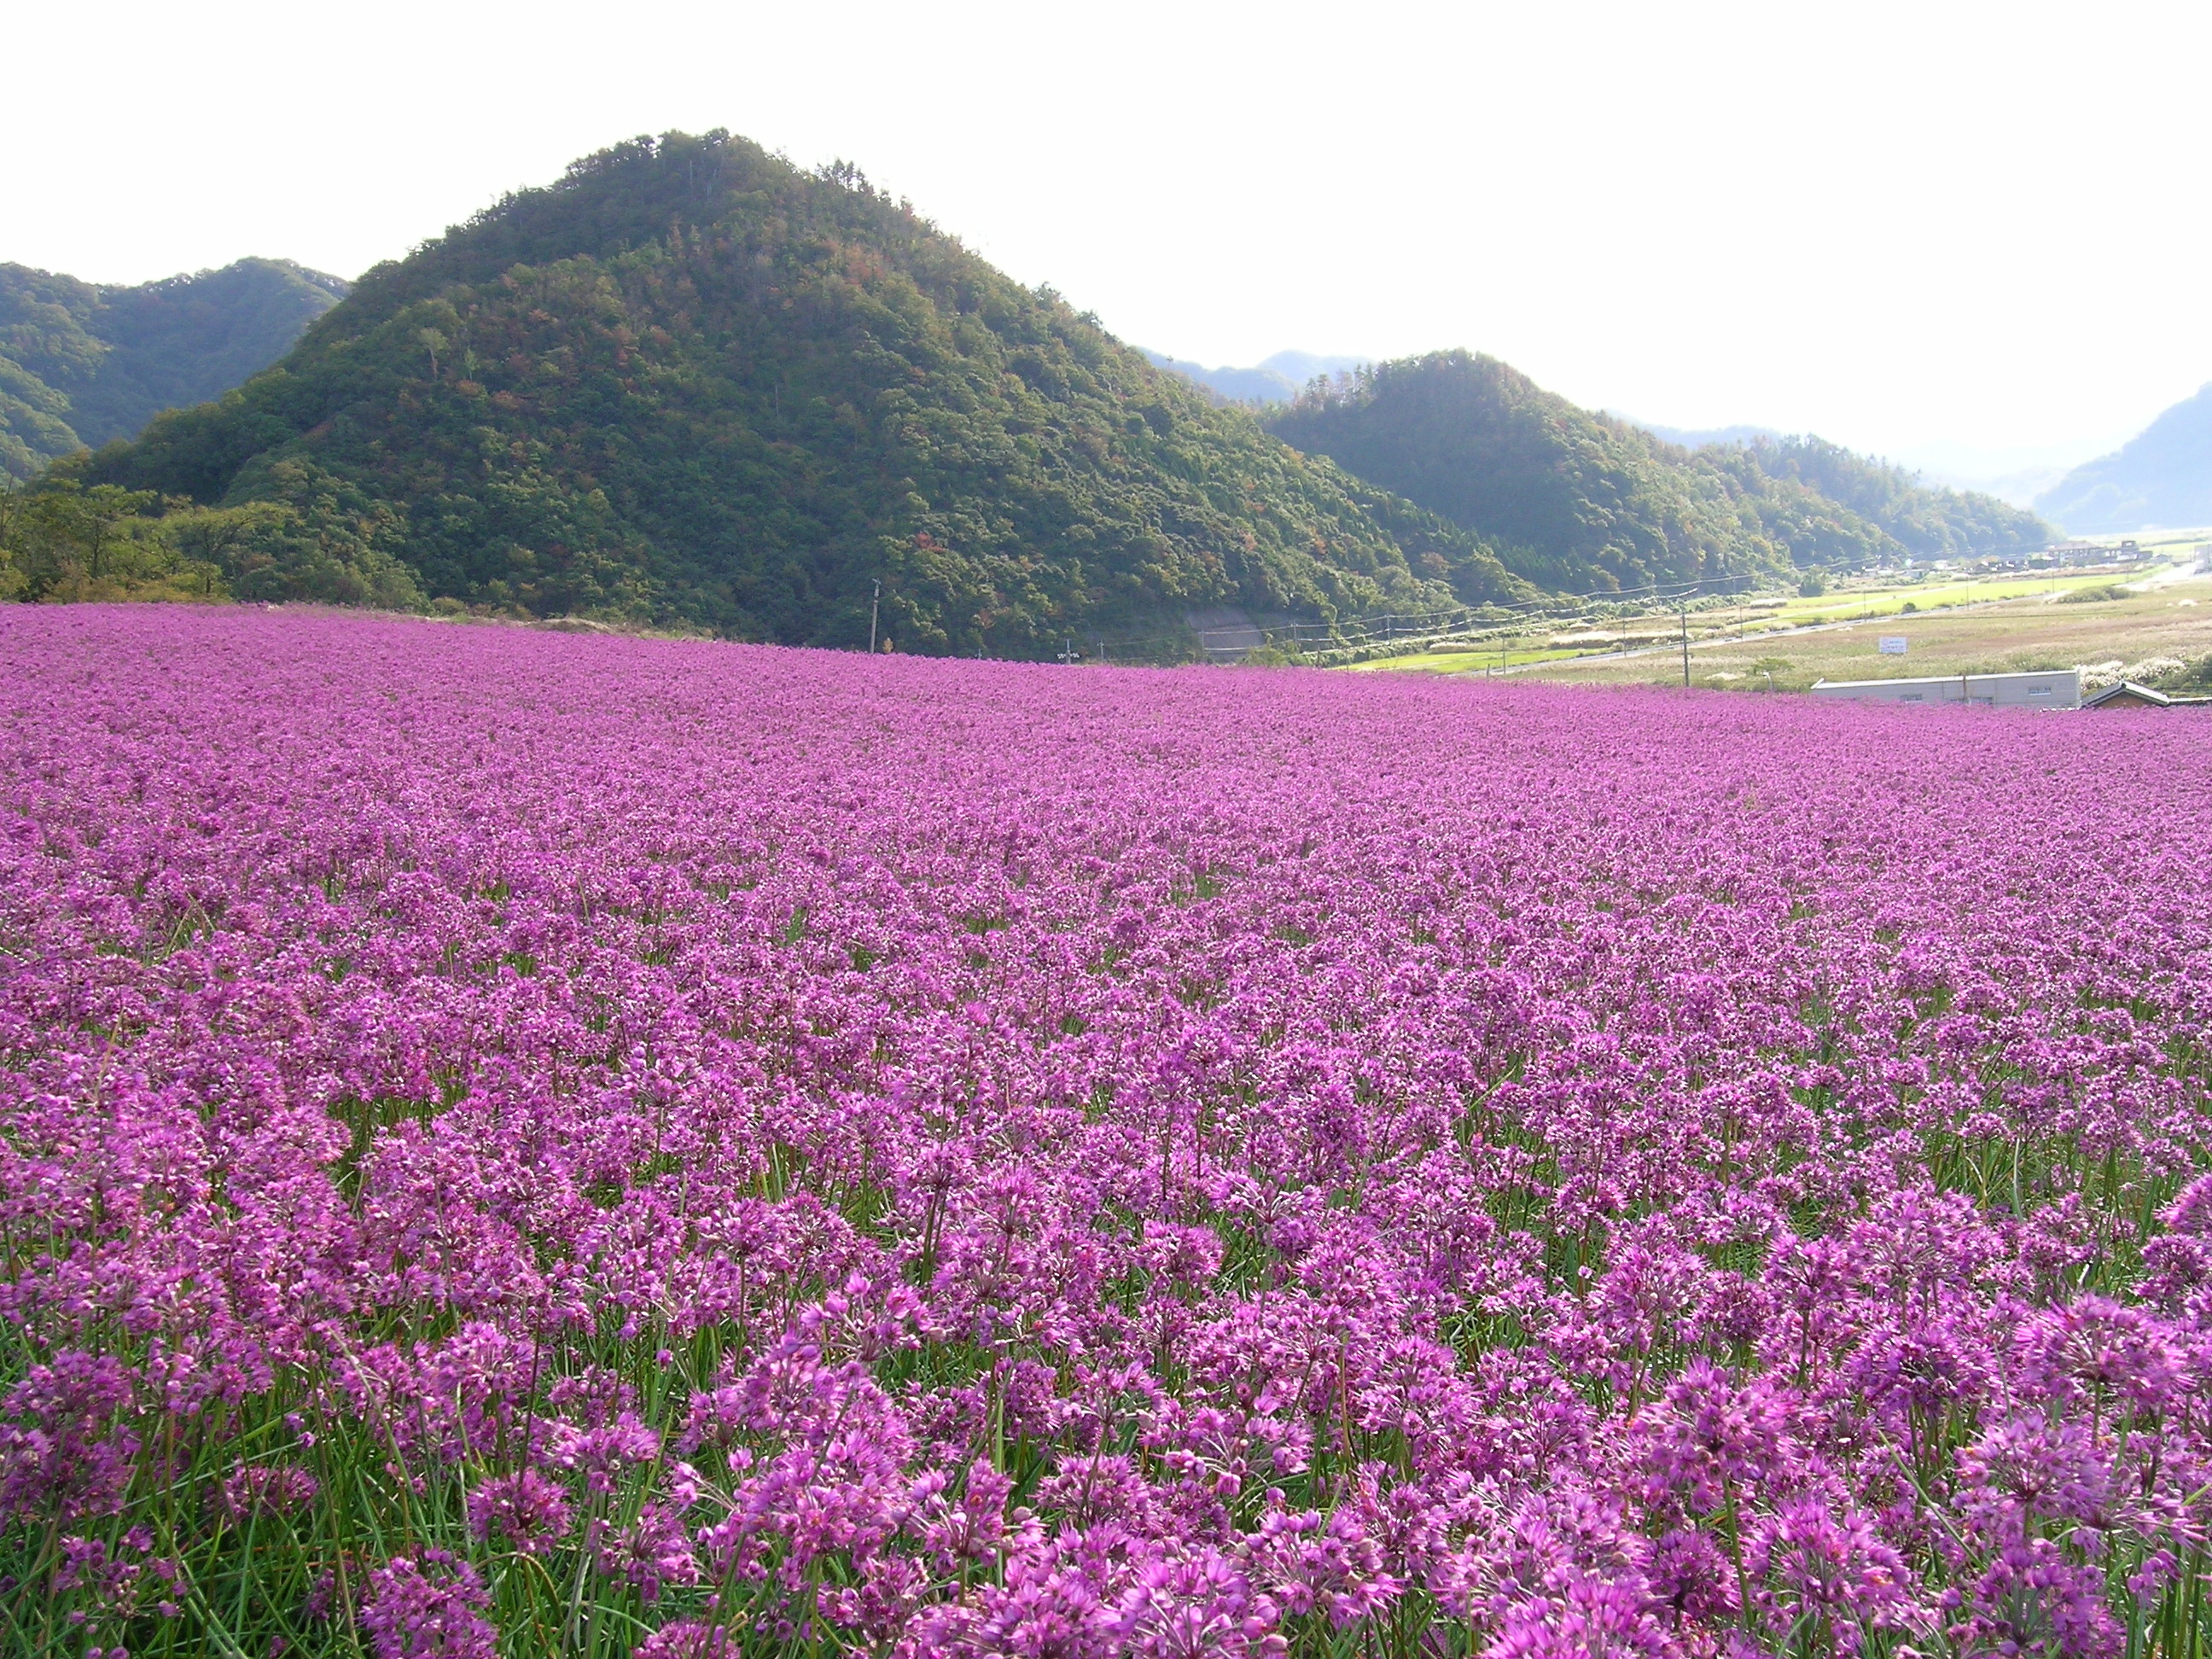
[519, 1144]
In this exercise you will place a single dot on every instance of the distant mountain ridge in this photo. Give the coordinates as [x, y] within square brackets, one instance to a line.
[83, 364]
[2015, 477]
[2159, 479]
[1584, 501]
[1277, 381]
[1687, 438]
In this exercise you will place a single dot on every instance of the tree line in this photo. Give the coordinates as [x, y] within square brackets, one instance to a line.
[64, 540]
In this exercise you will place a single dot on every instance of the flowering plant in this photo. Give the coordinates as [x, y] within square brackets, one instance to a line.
[528, 1144]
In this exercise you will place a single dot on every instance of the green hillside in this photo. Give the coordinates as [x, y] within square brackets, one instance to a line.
[84, 365]
[1585, 500]
[2160, 478]
[693, 384]
[1928, 521]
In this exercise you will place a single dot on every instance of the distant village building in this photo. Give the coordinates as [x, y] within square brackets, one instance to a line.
[2057, 688]
[2128, 695]
[2081, 552]
[2061, 555]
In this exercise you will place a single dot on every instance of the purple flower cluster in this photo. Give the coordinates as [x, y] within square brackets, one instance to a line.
[522, 1143]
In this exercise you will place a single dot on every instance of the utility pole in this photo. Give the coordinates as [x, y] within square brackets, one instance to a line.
[874, 605]
[1685, 648]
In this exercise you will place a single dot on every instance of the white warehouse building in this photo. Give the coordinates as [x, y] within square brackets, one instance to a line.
[2057, 688]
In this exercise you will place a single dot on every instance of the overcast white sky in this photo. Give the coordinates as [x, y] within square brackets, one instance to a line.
[1894, 224]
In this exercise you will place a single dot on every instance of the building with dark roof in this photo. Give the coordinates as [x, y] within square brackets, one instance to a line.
[2128, 695]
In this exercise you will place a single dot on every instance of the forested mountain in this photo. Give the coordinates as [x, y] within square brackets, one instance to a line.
[1929, 521]
[691, 383]
[82, 364]
[1581, 501]
[2161, 478]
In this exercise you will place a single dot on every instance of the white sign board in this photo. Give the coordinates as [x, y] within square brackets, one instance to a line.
[1893, 645]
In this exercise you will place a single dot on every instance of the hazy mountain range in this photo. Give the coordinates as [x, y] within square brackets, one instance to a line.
[2016, 476]
[83, 364]
[1581, 501]
[1705, 438]
[2161, 478]
[1277, 381]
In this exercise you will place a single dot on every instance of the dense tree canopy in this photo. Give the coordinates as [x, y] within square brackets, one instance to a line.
[82, 364]
[61, 541]
[1928, 521]
[692, 383]
[1587, 502]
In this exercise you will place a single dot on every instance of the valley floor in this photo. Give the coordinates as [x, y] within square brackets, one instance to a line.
[2164, 618]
